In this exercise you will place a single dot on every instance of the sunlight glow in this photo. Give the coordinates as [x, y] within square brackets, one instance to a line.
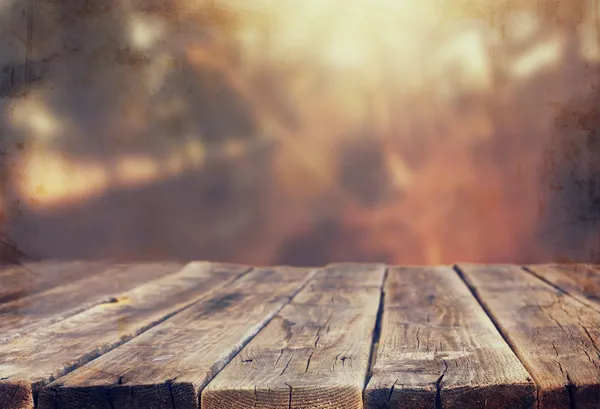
[145, 30]
[363, 38]
[345, 52]
[48, 178]
[466, 53]
[134, 170]
[33, 115]
[541, 56]
[195, 151]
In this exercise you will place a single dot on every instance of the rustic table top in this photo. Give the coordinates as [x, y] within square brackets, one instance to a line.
[170, 335]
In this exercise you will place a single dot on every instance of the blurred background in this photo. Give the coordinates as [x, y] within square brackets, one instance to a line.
[300, 132]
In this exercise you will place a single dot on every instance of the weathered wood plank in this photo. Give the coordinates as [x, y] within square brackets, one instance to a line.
[314, 354]
[350, 275]
[438, 348]
[26, 314]
[31, 278]
[555, 336]
[169, 365]
[581, 281]
[35, 359]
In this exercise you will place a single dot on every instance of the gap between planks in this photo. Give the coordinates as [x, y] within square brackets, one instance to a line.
[473, 290]
[377, 330]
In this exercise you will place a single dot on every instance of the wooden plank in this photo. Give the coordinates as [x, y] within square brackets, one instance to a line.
[311, 355]
[581, 281]
[555, 336]
[26, 314]
[362, 275]
[31, 278]
[32, 361]
[438, 348]
[170, 364]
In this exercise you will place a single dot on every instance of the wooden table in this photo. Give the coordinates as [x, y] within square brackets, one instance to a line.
[169, 335]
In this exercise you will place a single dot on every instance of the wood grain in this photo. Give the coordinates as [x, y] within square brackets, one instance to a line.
[555, 336]
[350, 275]
[32, 361]
[581, 281]
[438, 348]
[28, 313]
[32, 278]
[169, 365]
[314, 354]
